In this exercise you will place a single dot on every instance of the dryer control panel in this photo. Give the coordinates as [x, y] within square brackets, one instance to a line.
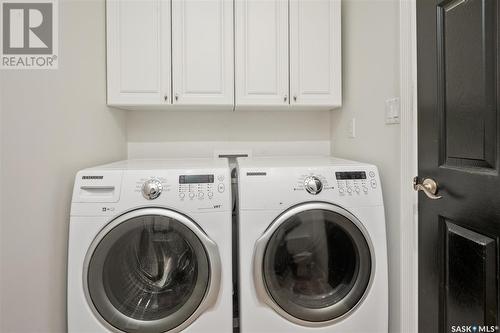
[346, 185]
[355, 182]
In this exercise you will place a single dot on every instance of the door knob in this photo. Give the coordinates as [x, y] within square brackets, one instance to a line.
[428, 186]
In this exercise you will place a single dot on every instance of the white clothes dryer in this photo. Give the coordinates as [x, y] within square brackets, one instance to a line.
[150, 248]
[312, 246]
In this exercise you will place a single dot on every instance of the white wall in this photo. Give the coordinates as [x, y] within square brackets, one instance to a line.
[159, 132]
[174, 126]
[371, 75]
[52, 124]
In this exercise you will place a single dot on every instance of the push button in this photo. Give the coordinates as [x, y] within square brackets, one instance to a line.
[201, 195]
[221, 188]
[191, 195]
[373, 183]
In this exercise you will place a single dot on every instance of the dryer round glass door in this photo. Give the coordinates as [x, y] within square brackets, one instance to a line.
[149, 271]
[315, 262]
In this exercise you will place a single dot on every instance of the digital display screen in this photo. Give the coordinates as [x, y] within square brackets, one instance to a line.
[196, 179]
[350, 175]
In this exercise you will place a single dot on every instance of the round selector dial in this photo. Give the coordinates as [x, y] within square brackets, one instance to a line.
[313, 185]
[151, 189]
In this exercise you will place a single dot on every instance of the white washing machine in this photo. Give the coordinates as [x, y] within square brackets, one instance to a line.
[150, 248]
[312, 246]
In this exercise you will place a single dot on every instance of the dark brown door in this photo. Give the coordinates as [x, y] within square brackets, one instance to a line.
[458, 128]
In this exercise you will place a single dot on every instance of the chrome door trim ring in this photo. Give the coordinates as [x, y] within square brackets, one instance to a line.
[260, 248]
[211, 249]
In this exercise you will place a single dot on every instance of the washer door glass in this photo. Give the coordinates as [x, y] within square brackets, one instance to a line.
[317, 265]
[148, 274]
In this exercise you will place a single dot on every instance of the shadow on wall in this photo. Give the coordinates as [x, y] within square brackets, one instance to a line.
[158, 126]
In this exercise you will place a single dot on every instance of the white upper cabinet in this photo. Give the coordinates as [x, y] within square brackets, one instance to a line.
[224, 54]
[138, 51]
[203, 52]
[261, 53]
[315, 53]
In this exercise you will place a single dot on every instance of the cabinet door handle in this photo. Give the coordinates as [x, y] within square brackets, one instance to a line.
[176, 97]
[295, 98]
[285, 99]
[166, 98]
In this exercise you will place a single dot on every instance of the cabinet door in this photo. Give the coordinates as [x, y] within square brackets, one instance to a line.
[315, 53]
[202, 52]
[138, 52]
[261, 52]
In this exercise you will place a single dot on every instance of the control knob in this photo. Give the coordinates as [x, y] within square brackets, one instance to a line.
[313, 185]
[151, 189]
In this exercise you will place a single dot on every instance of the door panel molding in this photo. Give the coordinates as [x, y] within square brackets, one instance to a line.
[455, 23]
[469, 259]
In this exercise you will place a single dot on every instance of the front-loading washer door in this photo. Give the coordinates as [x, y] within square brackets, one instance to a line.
[314, 264]
[150, 271]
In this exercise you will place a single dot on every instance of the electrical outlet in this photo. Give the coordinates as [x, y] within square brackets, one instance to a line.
[352, 128]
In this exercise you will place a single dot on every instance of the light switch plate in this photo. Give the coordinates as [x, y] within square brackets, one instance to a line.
[392, 107]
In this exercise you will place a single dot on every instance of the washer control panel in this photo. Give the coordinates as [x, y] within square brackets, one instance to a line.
[186, 187]
[190, 190]
[355, 182]
[200, 187]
